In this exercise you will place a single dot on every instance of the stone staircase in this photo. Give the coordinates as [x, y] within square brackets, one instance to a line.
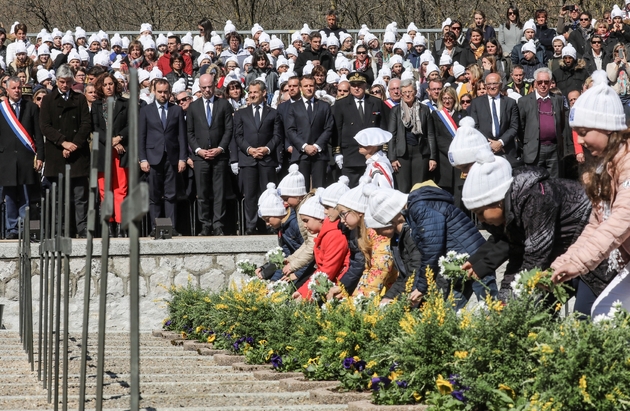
[170, 378]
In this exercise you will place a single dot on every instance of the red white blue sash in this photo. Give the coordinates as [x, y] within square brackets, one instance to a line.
[17, 127]
[448, 121]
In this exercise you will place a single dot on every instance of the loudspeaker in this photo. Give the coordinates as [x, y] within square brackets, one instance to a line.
[35, 230]
[163, 229]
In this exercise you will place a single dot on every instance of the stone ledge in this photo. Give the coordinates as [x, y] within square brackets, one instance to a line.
[223, 359]
[149, 247]
[368, 406]
[275, 375]
[329, 396]
[302, 384]
[241, 366]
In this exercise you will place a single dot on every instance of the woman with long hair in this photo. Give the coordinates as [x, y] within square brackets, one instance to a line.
[510, 32]
[260, 66]
[503, 64]
[476, 43]
[479, 22]
[205, 34]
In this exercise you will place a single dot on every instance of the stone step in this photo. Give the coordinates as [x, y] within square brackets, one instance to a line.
[305, 407]
[144, 377]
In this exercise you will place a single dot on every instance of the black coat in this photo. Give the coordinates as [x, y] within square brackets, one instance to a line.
[16, 161]
[398, 143]
[155, 140]
[568, 79]
[62, 121]
[407, 259]
[219, 134]
[508, 120]
[301, 131]
[462, 55]
[445, 176]
[322, 55]
[120, 128]
[348, 124]
[246, 134]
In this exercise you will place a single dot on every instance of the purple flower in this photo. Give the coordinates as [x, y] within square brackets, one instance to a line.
[402, 384]
[168, 323]
[393, 367]
[276, 361]
[236, 346]
[347, 363]
[376, 381]
[249, 340]
[360, 365]
[459, 395]
[453, 378]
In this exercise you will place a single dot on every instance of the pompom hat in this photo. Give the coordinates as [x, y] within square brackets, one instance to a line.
[293, 183]
[599, 107]
[354, 199]
[384, 203]
[467, 144]
[487, 183]
[270, 204]
[332, 193]
[312, 206]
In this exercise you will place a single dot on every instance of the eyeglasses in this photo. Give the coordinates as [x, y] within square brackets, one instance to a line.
[182, 100]
[361, 52]
[447, 39]
[376, 91]
[586, 19]
[511, 13]
[38, 98]
[455, 28]
[465, 101]
[545, 82]
[344, 214]
[596, 42]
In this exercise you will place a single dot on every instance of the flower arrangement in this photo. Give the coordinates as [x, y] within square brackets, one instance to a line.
[275, 256]
[450, 266]
[535, 281]
[246, 267]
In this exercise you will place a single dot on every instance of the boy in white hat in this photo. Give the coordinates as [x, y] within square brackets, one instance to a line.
[379, 168]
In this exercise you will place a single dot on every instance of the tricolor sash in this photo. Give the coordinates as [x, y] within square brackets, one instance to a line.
[17, 127]
[381, 169]
[448, 121]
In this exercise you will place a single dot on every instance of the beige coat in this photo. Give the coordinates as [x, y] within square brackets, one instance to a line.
[600, 237]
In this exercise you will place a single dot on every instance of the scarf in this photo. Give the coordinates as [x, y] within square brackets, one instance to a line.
[361, 66]
[411, 117]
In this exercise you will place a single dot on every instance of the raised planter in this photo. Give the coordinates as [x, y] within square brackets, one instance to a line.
[195, 345]
[275, 375]
[156, 333]
[333, 396]
[368, 406]
[241, 366]
[223, 359]
[302, 384]
[211, 351]
[170, 335]
[178, 342]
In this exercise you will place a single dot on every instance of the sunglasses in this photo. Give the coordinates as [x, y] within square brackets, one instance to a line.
[340, 90]
[586, 19]
[511, 13]
[38, 98]
[596, 42]
[545, 82]
[182, 100]
[376, 92]
[465, 101]
[361, 52]
[455, 28]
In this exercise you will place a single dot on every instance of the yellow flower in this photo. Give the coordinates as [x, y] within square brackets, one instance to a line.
[343, 354]
[211, 338]
[356, 347]
[370, 364]
[289, 348]
[546, 349]
[262, 342]
[444, 386]
[417, 396]
[184, 335]
[582, 384]
[313, 360]
[322, 338]
[198, 329]
[185, 316]
[221, 307]
[356, 358]
[207, 299]
[508, 390]
[408, 323]
[394, 375]
[532, 336]
[339, 340]
[342, 334]
[269, 354]
[461, 354]
[165, 320]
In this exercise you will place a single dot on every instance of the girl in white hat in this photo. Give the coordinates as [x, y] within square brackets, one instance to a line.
[379, 168]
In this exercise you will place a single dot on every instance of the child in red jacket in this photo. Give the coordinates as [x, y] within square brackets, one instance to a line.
[332, 255]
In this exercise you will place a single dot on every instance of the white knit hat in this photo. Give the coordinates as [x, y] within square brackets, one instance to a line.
[401, 46]
[406, 38]
[447, 22]
[20, 47]
[385, 72]
[187, 39]
[368, 38]
[74, 55]
[178, 86]
[427, 57]
[363, 30]
[161, 40]
[389, 37]
[305, 29]
[79, 33]
[308, 68]
[67, 39]
[293, 183]
[146, 27]
[256, 28]
[216, 40]
[445, 60]
[125, 43]
[467, 144]
[395, 59]
[569, 50]
[419, 40]
[42, 74]
[370, 222]
[155, 73]
[598, 107]
[101, 59]
[331, 194]
[332, 77]
[312, 206]
[392, 27]
[529, 46]
[431, 67]
[343, 36]
[270, 204]
[296, 36]
[529, 25]
[561, 38]
[143, 75]
[264, 38]
[43, 49]
[275, 43]
[332, 40]
[291, 50]
[229, 27]
[458, 70]
[249, 43]
[116, 40]
[384, 203]
[487, 183]
[617, 12]
[373, 136]
[412, 27]
[354, 199]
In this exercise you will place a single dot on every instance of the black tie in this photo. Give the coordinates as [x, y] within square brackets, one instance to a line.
[257, 117]
[361, 114]
[309, 110]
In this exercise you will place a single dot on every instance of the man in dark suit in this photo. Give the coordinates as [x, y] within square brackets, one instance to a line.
[162, 152]
[310, 126]
[65, 120]
[293, 89]
[496, 117]
[353, 114]
[256, 145]
[21, 154]
[543, 125]
[209, 122]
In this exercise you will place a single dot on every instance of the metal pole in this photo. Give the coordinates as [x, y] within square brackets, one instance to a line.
[21, 283]
[58, 300]
[107, 209]
[91, 227]
[42, 317]
[51, 285]
[66, 250]
[28, 291]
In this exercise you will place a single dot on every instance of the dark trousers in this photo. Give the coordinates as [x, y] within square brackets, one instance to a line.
[548, 159]
[79, 192]
[253, 181]
[17, 198]
[163, 190]
[314, 172]
[414, 168]
[210, 184]
[353, 174]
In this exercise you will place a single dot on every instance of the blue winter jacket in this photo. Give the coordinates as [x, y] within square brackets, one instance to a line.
[438, 226]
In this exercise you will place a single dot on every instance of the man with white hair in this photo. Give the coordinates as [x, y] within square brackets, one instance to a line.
[66, 122]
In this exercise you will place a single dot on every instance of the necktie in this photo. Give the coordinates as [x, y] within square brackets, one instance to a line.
[257, 116]
[16, 109]
[163, 117]
[208, 113]
[309, 110]
[495, 118]
[361, 114]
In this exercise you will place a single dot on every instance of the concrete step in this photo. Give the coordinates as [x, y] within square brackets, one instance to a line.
[184, 376]
[305, 407]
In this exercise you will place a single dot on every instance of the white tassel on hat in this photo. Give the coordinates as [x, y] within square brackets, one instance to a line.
[270, 204]
[467, 144]
[293, 183]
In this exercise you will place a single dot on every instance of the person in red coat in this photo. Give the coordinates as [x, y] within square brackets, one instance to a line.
[174, 45]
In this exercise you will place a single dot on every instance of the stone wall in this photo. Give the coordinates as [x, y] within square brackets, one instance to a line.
[209, 262]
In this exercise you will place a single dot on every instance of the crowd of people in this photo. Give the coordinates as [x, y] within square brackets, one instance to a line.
[413, 140]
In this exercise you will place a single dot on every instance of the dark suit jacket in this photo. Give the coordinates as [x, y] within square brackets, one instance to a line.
[348, 124]
[155, 140]
[445, 175]
[120, 128]
[16, 161]
[61, 121]
[219, 134]
[530, 129]
[301, 131]
[508, 123]
[246, 134]
[281, 128]
[398, 143]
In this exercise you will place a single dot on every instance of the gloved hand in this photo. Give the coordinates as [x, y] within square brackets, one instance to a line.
[234, 167]
[278, 169]
[339, 160]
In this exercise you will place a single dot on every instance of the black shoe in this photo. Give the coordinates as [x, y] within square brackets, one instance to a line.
[121, 233]
[152, 233]
[218, 231]
[175, 233]
[12, 236]
[205, 232]
[82, 233]
[114, 229]
[250, 231]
